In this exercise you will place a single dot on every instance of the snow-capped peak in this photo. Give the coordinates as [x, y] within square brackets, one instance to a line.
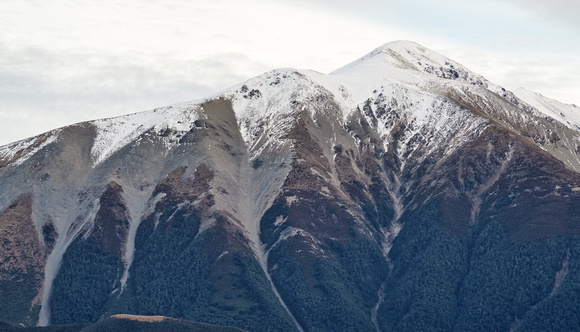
[403, 60]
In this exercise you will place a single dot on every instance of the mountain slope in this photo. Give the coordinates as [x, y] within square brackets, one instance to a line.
[400, 192]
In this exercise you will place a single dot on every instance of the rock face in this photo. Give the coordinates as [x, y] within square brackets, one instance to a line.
[400, 192]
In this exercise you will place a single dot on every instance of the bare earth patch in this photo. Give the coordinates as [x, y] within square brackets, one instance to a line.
[150, 319]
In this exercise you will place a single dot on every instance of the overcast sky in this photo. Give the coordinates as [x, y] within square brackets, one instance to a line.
[68, 61]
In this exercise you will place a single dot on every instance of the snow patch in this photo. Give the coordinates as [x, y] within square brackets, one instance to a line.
[291, 199]
[280, 220]
[222, 255]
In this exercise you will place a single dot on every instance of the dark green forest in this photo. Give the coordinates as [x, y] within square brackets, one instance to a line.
[481, 282]
[432, 280]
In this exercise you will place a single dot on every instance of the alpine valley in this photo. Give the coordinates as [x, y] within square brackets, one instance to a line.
[402, 192]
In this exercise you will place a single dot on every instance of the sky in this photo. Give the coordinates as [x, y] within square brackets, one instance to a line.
[67, 61]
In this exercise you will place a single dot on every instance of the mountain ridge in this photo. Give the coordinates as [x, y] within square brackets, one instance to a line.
[400, 54]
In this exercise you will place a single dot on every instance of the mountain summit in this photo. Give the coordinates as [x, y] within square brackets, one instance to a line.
[400, 192]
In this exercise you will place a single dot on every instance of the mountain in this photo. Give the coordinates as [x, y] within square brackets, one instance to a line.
[402, 192]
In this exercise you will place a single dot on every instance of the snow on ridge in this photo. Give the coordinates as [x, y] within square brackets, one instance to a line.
[265, 105]
[397, 77]
[115, 133]
[568, 115]
[409, 63]
[20, 151]
[432, 123]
